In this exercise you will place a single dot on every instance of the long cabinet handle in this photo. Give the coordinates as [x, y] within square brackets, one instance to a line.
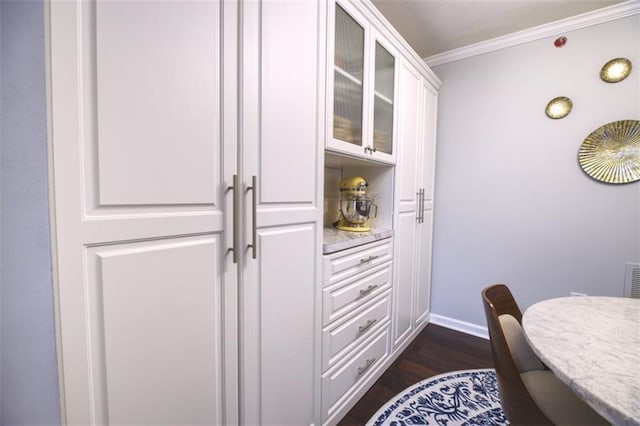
[234, 188]
[418, 205]
[422, 205]
[254, 213]
[366, 366]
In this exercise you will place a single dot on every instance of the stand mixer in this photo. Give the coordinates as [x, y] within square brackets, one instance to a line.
[355, 205]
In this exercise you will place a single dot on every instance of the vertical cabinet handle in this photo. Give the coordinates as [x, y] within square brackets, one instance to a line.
[420, 213]
[254, 213]
[422, 205]
[234, 188]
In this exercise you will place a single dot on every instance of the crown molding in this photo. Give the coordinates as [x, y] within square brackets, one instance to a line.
[610, 13]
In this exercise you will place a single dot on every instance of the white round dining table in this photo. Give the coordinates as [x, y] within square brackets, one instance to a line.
[592, 344]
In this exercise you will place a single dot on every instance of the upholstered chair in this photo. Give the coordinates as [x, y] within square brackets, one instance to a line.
[530, 393]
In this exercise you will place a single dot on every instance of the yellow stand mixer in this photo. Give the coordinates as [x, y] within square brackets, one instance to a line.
[355, 206]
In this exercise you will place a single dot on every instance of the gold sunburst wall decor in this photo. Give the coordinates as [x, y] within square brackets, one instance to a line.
[558, 107]
[611, 153]
[616, 70]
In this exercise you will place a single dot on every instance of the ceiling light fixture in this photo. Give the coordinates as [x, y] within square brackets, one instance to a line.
[616, 70]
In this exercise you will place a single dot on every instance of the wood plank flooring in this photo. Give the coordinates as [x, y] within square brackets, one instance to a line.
[435, 351]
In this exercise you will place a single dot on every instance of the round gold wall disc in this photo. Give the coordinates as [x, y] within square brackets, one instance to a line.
[611, 153]
[558, 107]
[616, 70]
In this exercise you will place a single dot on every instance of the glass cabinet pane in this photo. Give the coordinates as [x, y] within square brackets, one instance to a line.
[383, 100]
[348, 72]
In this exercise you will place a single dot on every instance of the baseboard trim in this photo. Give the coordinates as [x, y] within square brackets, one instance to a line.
[462, 326]
[610, 13]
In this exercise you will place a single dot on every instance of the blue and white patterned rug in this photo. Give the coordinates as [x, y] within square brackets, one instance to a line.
[466, 397]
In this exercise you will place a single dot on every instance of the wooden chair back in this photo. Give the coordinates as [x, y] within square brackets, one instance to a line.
[517, 403]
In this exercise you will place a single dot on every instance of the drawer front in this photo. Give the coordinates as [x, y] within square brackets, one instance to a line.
[337, 383]
[348, 295]
[341, 265]
[342, 336]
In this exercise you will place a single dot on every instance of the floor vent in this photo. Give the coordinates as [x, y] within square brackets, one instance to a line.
[632, 280]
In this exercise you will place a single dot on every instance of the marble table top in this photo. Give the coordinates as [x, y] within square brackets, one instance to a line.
[336, 239]
[592, 344]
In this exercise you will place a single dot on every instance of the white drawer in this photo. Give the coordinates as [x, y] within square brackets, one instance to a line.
[342, 336]
[338, 383]
[347, 295]
[343, 264]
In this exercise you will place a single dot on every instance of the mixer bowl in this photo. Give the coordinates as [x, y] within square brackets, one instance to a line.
[356, 210]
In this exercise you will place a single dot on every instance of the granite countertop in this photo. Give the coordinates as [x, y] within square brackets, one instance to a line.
[336, 239]
[592, 344]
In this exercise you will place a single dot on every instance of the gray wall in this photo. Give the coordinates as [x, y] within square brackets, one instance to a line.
[513, 205]
[29, 383]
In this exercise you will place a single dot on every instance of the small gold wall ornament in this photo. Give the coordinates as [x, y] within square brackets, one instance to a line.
[616, 70]
[611, 153]
[559, 107]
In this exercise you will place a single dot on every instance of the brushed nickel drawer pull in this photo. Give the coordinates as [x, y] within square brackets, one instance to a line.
[363, 328]
[368, 290]
[367, 364]
[368, 259]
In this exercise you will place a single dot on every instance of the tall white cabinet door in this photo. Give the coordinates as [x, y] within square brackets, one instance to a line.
[145, 291]
[407, 178]
[425, 227]
[282, 128]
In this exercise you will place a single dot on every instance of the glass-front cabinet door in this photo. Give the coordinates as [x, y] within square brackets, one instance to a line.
[383, 96]
[348, 83]
[363, 88]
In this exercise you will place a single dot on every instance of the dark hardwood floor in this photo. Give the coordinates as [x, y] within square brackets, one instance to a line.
[435, 351]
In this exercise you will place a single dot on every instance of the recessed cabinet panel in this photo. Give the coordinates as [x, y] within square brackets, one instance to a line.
[157, 84]
[428, 150]
[156, 328]
[405, 276]
[287, 328]
[289, 123]
[408, 133]
[423, 287]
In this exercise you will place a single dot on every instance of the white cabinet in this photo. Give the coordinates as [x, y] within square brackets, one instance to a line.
[356, 312]
[414, 203]
[175, 268]
[362, 86]
[282, 223]
[376, 297]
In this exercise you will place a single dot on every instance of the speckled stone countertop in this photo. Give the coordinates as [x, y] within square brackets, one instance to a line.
[336, 240]
[592, 344]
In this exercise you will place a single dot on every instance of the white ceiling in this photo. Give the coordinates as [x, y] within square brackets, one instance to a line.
[437, 26]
